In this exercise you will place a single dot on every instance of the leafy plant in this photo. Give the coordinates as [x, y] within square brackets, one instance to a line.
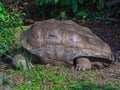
[62, 15]
[60, 78]
[82, 14]
[79, 8]
[74, 3]
[8, 21]
[4, 81]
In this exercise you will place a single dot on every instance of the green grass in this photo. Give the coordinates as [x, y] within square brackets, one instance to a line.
[45, 77]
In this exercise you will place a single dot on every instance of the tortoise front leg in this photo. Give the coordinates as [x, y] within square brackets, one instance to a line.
[82, 64]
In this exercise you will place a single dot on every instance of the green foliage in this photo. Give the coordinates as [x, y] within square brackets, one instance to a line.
[8, 21]
[62, 15]
[79, 8]
[6, 37]
[101, 17]
[74, 3]
[4, 81]
[60, 78]
[82, 14]
[101, 4]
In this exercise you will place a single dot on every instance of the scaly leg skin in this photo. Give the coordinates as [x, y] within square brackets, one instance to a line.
[82, 64]
[19, 59]
[98, 65]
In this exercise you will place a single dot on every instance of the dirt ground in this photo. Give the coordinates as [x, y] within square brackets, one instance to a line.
[110, 35]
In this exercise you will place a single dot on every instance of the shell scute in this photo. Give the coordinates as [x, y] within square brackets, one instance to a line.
[63, 40]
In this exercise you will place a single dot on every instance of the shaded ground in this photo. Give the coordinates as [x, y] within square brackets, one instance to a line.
[109, 34]
[110, 76]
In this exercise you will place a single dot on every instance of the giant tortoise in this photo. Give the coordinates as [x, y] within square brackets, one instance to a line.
[65, 43]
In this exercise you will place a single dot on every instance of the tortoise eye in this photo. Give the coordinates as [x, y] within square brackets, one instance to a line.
[52, 37]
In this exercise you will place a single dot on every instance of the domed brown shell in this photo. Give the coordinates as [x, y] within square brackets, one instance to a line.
[53, 40]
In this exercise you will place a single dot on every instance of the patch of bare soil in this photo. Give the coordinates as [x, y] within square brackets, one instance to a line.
[111, 35]
[110, 73]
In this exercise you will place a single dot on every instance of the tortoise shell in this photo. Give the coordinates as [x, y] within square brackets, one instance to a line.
[57, 42]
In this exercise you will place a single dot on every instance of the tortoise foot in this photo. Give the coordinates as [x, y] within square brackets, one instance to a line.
[20, 62]
[82, 64]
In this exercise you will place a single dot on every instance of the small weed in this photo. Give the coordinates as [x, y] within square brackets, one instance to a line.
[5, 82]
[59, 78]
[8, 21]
